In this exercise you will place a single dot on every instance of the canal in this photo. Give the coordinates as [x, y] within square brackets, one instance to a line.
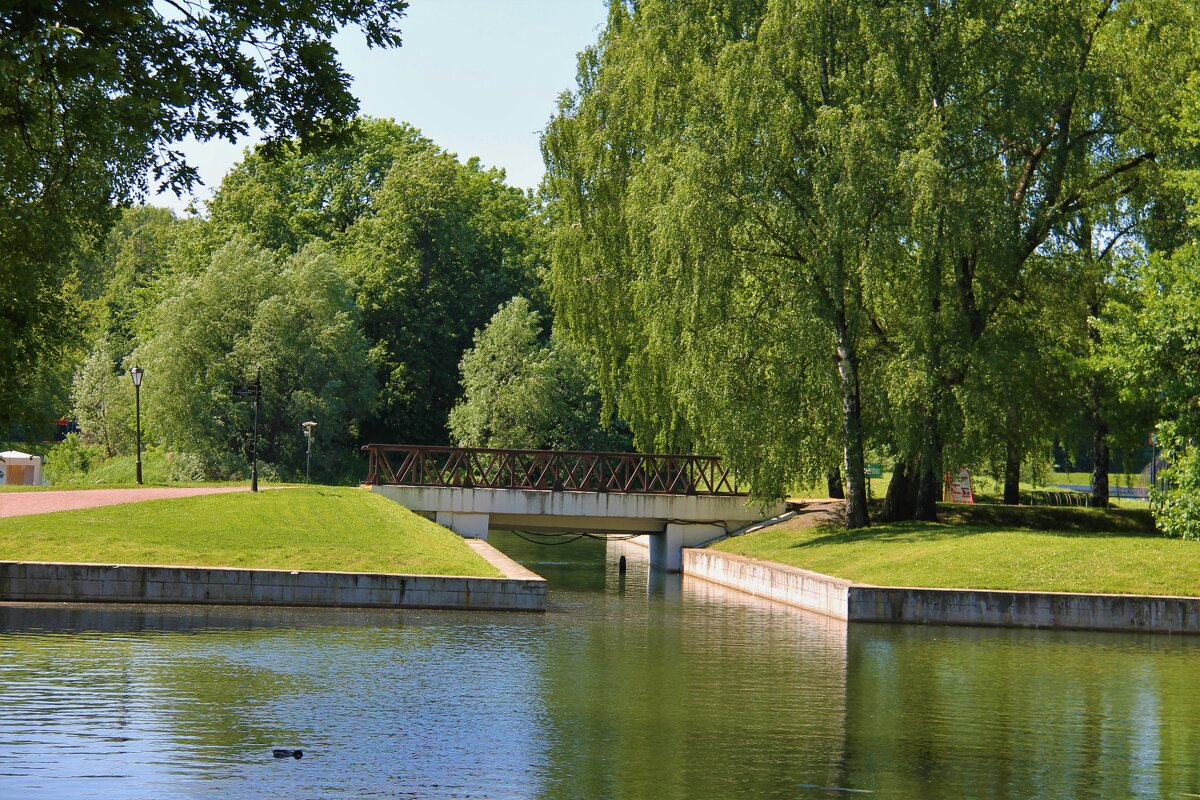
[632, 685]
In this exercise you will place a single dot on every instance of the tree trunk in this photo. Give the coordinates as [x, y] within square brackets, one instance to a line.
[1100, 466]
[900, 503]
[929, 473]
[833, 479]
[1100, 455]
[856, 490]
[929, 467]
[1012, 458]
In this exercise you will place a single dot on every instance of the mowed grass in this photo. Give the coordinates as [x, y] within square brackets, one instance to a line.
[312, 528]
[991, 547]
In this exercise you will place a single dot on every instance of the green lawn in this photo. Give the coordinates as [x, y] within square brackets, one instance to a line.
[992, 547]
[312, 528]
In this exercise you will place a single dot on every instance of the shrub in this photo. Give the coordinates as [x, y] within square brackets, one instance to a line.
[69, 460]
[1176, 501]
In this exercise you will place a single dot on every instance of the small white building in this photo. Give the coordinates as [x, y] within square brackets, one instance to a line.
[20, 468]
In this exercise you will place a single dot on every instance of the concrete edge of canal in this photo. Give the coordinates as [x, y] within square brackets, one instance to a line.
[37, 581]
[855, 602]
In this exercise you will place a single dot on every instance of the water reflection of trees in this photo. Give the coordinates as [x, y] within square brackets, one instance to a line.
[1010, 714]
[691, 693]
[650, 688]
[422, 702]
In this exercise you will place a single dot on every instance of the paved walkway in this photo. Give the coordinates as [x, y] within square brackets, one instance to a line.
[813, 511]
[15, 504]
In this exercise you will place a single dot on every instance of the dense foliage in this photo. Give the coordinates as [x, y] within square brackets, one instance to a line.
[96, 97]
[791, 230]
[350, 279]
[1154, 357]
[245, 318]
[524, 390]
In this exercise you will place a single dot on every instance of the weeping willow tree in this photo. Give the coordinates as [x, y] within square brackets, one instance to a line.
[718, 192]
[765, 211]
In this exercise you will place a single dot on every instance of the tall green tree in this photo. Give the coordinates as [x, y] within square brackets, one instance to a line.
[846, 182]
[294, 323]
[522, 389]
[1021, 117]
[1152, 351]
[718, 190]
[1105, 257]
[100, 402]
[444, 246]
[95, 99]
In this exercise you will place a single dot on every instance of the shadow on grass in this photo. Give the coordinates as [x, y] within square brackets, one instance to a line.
[958, 521]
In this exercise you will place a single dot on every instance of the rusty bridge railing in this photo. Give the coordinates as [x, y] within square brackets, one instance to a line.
[475, 467]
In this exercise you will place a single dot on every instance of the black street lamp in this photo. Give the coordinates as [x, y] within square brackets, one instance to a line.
[308, 434]
[252, 390]
[136, 375]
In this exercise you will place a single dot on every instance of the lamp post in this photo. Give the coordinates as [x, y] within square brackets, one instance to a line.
[136, 375]
[308, 434]
[1153, 461]
[252, 390]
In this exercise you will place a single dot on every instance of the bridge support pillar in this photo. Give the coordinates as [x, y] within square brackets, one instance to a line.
[468, 526]
[666, 548]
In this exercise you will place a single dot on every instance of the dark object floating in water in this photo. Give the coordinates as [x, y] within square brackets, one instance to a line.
[280, 753]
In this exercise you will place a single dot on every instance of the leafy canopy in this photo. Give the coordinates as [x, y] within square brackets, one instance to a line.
[94, 101]
[521, 390]
[295, 323]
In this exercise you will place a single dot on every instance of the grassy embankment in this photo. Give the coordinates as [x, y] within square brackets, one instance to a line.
[991, 547]
[313, 528]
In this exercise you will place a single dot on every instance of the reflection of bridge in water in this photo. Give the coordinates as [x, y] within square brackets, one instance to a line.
[679, 500]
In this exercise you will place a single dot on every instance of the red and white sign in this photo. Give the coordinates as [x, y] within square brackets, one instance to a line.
[958, 487]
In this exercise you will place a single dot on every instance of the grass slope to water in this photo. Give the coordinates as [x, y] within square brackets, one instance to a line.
[314, 528]
[997, 547]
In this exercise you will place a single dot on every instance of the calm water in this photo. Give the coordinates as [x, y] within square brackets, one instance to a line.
[629, 687]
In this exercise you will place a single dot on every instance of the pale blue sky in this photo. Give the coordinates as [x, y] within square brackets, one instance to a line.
[479, 77]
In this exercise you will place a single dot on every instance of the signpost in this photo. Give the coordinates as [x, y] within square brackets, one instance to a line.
[872, 470]
[252, 390]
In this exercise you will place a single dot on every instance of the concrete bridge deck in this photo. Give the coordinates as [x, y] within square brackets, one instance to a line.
[672, 521]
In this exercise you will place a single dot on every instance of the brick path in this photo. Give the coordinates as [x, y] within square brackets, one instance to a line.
[15, 504]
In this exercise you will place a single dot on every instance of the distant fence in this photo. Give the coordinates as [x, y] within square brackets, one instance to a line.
[484, 468]
[1057, 497]
[1082, 496]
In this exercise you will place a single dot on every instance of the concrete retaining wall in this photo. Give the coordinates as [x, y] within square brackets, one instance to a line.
[1102, 612]
[92, 583]
[797, 587]
[860, 603]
